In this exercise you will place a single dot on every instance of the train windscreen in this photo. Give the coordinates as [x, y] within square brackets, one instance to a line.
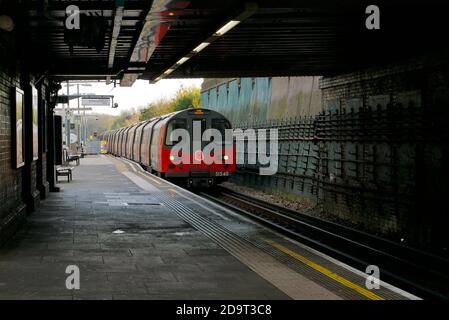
[221, 125]
[172, 126]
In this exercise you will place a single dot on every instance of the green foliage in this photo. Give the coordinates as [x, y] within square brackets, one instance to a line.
[125, 119]
[185, 98]
[99, 122]
[155, 109]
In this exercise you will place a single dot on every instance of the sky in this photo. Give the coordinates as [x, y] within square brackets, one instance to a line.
[139, 95]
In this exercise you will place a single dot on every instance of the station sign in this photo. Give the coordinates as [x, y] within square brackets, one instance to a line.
[73, 109]
[101, 102]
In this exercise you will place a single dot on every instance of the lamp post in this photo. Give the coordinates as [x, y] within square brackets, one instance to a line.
[67, 120]
[80, 131]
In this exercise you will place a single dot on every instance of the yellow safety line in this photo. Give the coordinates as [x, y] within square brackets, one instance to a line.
[148, 177]
[119, 165]
[367, 293]
[126, 163]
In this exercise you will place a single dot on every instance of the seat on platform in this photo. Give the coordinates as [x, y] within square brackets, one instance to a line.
[64, 171]
[73, 158]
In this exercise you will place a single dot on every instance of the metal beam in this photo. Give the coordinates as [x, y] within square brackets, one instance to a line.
[249, 10]
[153, 31]
[87, 96]
[118, 17]
[73, 109]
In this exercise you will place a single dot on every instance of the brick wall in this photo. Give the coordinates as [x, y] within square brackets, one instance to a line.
[377, 153]
[385, 160]
[31, 193]
[10, 179]
[41, 164]
[19, 188]
[12, 209]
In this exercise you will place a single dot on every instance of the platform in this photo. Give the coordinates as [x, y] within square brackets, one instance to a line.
[135, 236]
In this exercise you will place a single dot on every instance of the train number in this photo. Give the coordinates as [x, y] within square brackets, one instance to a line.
[221, 174]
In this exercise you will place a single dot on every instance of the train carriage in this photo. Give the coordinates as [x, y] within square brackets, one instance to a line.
[149, 143]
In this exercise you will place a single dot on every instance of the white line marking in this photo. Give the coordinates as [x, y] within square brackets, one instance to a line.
[351, 269]
[339, 263]
[140, 182]
[201, 205]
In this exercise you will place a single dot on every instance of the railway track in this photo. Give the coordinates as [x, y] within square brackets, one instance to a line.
[416, 271]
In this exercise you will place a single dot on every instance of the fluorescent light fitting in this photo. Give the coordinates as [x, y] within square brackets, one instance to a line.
[168, 71]
[182, 60]
[201, 47]
[228, 26]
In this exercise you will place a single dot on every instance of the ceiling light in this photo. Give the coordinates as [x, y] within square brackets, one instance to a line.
[182, 60]
[168, 71]
[228, 26]
[201, 47]
[249, 9]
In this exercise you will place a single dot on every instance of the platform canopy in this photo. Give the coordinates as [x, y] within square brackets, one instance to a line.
[152, 40]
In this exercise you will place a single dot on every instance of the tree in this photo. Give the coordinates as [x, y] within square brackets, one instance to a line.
[184, 99]
[125, 118]
[155, 109]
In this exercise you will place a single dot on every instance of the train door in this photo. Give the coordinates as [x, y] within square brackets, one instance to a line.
[145, 143]
[154, 146]
[198, 123]
[138, 142]
[198, 128]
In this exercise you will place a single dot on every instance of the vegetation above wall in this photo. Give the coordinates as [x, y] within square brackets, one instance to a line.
[185, 98]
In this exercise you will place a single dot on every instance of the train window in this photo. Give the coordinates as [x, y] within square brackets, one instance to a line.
[203, 124]
[221, 125]
[172, 126]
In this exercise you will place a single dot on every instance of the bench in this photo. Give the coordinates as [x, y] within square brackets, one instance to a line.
[74, 158]
[64, 171]
[69, 158]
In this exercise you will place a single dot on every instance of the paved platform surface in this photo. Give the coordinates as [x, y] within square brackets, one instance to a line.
[134, 236]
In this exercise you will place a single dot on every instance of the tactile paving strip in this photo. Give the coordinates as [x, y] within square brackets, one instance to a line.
[295, 279]
[261, 239]
[281, 276]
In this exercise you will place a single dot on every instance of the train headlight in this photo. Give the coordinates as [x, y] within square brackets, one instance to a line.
[225, 157]
[172, 158]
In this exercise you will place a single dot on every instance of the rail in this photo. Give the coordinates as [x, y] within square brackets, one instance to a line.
[419, 272]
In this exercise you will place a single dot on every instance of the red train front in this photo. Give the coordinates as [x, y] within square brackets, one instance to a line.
[188, 146]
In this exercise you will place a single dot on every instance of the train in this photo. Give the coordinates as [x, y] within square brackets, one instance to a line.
[150, 144]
